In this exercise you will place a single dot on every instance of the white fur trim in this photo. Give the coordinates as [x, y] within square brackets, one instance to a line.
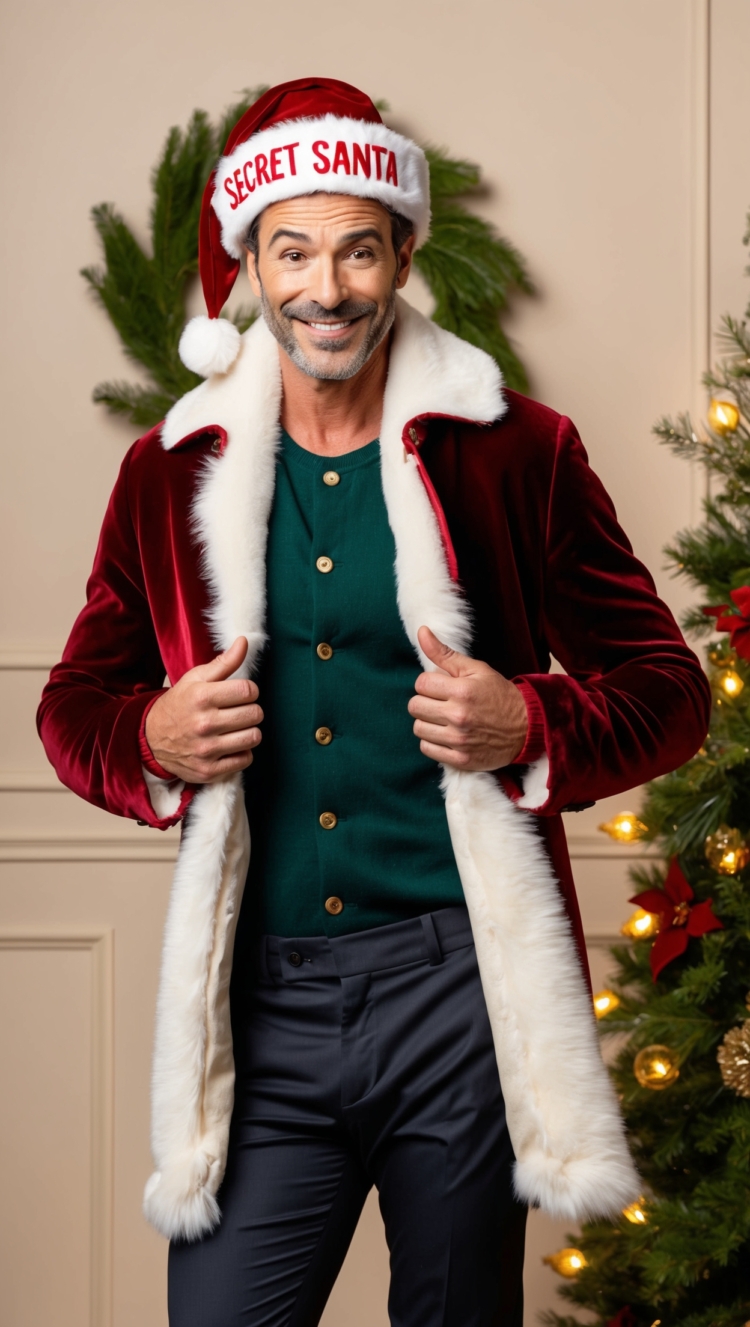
[193, 1071]
[165, 795]
[209, 345]
[299, 156]
[564, 1122]
[571, 1156]
[535, 784]
[233, 503]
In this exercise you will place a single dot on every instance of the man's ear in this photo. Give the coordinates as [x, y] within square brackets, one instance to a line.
[252, 272]
[405, 255]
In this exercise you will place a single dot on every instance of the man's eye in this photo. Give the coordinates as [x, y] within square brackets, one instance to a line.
[294, 255]
[361, 253]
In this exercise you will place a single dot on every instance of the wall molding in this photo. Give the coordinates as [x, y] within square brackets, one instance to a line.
[161, 846]
[31, 781]
[24, 657]
[156, 846]
[98, 941]
[700, 226]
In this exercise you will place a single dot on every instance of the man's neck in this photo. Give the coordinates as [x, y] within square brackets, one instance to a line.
[330, 417]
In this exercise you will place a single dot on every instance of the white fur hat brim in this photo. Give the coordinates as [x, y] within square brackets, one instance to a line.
[331, 154]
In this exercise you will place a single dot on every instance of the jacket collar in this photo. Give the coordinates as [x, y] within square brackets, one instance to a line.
[431, 372]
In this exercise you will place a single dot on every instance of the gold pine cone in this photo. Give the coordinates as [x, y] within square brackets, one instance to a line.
[734, 1059]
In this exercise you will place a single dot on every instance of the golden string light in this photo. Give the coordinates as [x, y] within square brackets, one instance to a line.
[636, 1213]
[566, 1262]
[604, 1002]
[641, 925]
[624, 827]
[726, 851]
[723, 416]
[730, 682]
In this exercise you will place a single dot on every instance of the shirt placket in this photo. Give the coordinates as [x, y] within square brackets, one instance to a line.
[331, 490]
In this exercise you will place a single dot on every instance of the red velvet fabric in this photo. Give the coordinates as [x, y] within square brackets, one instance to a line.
[541, 559]
[548, 570]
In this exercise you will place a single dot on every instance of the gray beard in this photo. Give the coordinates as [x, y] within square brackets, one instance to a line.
[281, 326]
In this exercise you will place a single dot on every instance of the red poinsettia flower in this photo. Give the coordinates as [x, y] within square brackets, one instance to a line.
[737, 624]
[679, 917]
[623, 1319]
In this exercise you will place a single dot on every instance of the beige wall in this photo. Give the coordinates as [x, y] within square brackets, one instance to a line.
[595, 127]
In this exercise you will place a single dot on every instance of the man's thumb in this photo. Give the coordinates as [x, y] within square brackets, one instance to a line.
[227, 662]
[449, 660]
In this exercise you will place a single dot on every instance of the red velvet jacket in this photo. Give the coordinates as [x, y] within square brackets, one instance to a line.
[486, 491]
[541, 559]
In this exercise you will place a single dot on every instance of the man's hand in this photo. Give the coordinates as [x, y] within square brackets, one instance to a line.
[205, 726]
[467, 715]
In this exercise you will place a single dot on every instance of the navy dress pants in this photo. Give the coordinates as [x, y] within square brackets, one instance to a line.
[363, 1059]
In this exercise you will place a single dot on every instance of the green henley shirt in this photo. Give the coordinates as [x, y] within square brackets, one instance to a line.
[344, 809]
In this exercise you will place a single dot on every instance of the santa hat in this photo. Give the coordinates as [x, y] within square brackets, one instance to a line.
[309, 136]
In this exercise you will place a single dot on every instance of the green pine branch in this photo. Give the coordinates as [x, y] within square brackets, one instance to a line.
[471, 271]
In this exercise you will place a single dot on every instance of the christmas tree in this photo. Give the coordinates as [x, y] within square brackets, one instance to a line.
[680, 997]
[470, 270]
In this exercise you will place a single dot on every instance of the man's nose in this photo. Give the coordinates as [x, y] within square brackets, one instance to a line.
[330, 290]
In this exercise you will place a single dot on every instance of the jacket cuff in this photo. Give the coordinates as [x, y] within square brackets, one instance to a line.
[146, 754]
[535, 745]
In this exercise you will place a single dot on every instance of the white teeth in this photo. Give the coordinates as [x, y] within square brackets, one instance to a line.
[329, 327]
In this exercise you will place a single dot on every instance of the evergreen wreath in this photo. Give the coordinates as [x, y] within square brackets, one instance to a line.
[470, 270]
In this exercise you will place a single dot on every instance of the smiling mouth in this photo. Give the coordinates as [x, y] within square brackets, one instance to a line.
[342, 325]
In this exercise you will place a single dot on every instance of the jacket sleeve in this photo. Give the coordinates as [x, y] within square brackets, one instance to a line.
[94, 705]
[635, 702]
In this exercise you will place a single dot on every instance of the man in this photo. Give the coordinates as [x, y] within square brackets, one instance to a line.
[352, 491]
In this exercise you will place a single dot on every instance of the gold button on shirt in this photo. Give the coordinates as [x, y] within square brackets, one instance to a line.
[324, 650]
[324, 564]
[324, 736]
[334, 905]
[331, 478]
[329, 820]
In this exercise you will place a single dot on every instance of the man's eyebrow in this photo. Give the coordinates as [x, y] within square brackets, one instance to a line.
[289, 235]
[369, 233]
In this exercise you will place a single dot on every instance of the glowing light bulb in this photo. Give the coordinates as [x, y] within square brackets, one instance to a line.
[566, 1262]
[731, 683]
[624, 827]
[641, 925]
[723, 416]
[605, 1002]
[727, 851]
[636, 1213]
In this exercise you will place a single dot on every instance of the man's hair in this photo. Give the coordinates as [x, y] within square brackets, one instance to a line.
[401, 230]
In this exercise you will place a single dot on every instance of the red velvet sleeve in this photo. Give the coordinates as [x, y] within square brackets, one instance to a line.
[92, 707]
[635, 702]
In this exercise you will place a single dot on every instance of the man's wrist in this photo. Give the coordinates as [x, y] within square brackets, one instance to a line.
[148, 758]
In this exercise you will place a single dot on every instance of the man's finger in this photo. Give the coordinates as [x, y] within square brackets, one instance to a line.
[226, 663]
[430, 709]
[232, 744]
[449, 660]
[445, 755]
[435, 686]
[234, 720]
[228, 695]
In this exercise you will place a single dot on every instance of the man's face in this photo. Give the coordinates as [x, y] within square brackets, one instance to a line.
[327, 277]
